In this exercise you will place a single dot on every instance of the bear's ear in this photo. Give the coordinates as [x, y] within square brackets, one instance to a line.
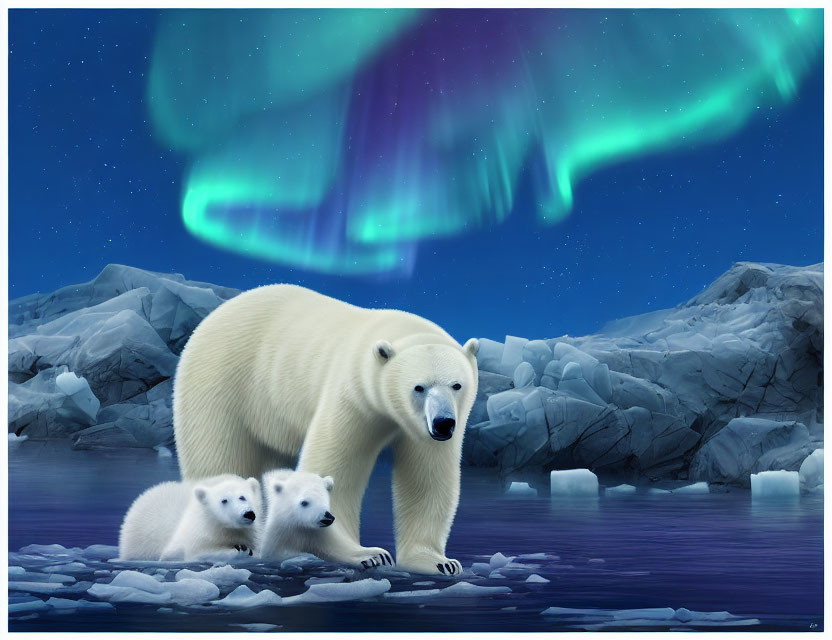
[201, 494]
[329, 483]
[383, 351]
[254, 483]
[471, 347]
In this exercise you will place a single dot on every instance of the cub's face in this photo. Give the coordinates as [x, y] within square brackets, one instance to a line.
[429, 389]
[234, 504]
[299, 499]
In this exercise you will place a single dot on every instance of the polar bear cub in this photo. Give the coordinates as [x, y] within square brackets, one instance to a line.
[214, 518]
[298, 510]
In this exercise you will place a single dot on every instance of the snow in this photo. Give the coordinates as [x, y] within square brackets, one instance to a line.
[573, 482]
[621, 489]
[811, 471]
[775, 484]
[521, 489]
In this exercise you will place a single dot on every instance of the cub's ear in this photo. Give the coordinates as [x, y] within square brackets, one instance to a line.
[201, 494]
[471, 347]
[328, 483]
[383, 351]
[254, 483]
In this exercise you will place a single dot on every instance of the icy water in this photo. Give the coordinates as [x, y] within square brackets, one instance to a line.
[622, 562]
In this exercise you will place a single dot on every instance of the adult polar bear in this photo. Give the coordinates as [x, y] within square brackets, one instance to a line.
[282, 371]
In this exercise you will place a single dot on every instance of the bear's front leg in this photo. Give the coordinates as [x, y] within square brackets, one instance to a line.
[349, 461]
[425, 497]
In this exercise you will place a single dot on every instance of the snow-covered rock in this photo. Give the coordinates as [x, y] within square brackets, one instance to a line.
[811, 471]
[573, 482]
[749, 445]
[653, 395]
[116, 340]
[775, 484]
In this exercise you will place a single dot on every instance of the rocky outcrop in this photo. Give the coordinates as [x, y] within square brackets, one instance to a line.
[725, 385]
[120, 335]
[651, 396]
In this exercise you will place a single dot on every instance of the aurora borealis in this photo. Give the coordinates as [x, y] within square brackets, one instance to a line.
[336, 140]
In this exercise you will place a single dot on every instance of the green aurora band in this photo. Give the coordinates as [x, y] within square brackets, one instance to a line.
[335, 140]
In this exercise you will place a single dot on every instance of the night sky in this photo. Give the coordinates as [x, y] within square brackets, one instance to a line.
[91, 184]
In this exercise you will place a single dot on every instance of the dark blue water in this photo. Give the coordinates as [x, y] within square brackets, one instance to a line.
[717, 552]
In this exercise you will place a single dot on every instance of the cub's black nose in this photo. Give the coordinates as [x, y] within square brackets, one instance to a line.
[249, 515]
[443, 428]
[327, 520]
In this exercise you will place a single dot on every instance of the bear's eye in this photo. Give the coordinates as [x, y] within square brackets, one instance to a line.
[243, 498]
[419, 388]
[456, 387]
[225, 500]
[304, 503]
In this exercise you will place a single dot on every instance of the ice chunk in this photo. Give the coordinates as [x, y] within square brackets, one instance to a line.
[244, 598]
[498, 560]
[417, 595]
[621, 489]
[101, 552]
[163, 452]
[326, 580]
[69, 566]
[521, 489]
[78, 394]
[523, 375]
[28, 606]
[137, 580]
[534, 578]
[697, 487]
[188, 591]
[512, 354]
[223, 576]
[15, 440]
[656, 491]
[127, 594]
[35, 587]
[16, 571]
[573, 482]
[774, 484]
[490, 355]
[358, 590]
[65, 604]
[466, 589]
[480, 569]
[811, 471]
[538, 354]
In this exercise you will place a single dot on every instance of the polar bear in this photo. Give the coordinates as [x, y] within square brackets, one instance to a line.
[213, 518]
[281, 373]
[297, 506]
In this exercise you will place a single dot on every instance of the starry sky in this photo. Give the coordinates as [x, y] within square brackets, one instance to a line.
[93, 182]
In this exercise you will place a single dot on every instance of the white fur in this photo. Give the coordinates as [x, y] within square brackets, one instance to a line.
[188, 520]
[282, 368]
[298, 503]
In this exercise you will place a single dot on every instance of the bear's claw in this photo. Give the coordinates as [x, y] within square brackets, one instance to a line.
[450, 568]
[381, 558]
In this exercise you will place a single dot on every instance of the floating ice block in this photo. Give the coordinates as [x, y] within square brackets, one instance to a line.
[573, 482]
[775, 484]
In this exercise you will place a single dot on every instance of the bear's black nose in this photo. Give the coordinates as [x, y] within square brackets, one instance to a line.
[443, 428]
[249, 515]
[327, 520]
